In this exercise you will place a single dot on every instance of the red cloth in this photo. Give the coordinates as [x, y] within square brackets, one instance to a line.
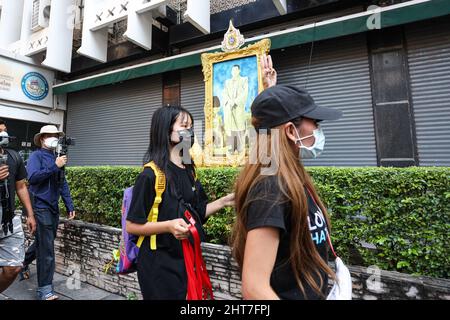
[199, 285]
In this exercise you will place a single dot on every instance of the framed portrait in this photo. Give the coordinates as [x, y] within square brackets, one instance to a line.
[232, 81]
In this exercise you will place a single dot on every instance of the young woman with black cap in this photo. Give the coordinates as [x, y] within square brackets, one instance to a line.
[280, 236]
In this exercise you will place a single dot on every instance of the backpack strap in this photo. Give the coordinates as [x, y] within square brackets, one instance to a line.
[14, 155]
[160, 186]
[194, 174]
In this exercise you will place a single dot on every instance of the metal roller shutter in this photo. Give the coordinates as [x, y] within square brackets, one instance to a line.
[193, 98]
[111, 124]
[339, 77]
[428, 47]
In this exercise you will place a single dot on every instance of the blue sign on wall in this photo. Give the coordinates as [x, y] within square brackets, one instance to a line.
[35, 86]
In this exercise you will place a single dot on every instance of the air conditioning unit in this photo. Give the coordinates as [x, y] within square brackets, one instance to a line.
[40, 15]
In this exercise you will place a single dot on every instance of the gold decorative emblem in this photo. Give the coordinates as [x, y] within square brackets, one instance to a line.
[233, 39]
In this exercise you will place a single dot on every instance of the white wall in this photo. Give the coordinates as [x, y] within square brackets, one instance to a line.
[29, 113]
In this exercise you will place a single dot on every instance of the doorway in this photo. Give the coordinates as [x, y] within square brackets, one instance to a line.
[24, 132]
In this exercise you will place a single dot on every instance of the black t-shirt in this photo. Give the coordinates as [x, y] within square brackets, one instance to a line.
[161, 272]
[17, 172]
[269, 208]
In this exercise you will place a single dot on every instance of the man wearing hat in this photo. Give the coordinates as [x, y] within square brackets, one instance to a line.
[44, 176]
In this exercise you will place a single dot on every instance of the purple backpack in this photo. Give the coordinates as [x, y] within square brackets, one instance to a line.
[128, 249]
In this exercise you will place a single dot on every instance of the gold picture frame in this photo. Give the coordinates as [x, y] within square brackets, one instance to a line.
[232, 151]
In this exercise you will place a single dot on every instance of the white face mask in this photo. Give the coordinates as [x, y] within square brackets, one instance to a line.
[316, 149]
[4, 141]
[51, 142]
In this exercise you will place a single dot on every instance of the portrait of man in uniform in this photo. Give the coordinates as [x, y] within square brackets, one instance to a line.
[234, 97]
[235, 86]
[232, 81]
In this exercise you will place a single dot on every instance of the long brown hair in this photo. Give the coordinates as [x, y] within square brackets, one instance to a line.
[304, 258]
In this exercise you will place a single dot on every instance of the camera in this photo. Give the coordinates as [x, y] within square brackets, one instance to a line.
[63, 145]
[61, 150]
[4, 199]
[3, 160]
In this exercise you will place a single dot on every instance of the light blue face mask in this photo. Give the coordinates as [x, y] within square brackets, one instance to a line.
[4, 140]
[316, 149]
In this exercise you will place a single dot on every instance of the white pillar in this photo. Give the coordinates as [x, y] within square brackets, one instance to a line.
[198, 14]
[94, 44]
[26, 26]
[10, 22]
[60, 36]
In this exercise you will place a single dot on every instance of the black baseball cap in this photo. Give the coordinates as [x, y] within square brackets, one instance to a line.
[282, 103]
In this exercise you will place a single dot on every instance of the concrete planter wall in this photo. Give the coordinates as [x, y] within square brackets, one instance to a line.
[83, 249]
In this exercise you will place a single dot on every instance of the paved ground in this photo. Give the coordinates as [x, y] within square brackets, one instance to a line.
[26, 290]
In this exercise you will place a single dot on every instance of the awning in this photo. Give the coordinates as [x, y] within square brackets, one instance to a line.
[394, 15]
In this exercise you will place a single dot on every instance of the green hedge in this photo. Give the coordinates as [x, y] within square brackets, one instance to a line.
[403, 212]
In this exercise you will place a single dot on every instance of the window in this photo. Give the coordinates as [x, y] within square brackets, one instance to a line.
[171, 88]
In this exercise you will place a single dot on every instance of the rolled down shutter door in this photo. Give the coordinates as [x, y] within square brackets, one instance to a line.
[339, 77]
[193, 98]
[111, 124]
[428, 46]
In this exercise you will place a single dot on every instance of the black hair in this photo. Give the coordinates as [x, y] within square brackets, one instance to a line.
[2, 122]
[236, 65]
[159, 145]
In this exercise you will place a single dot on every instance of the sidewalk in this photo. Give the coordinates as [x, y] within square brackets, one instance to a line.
[26, 290]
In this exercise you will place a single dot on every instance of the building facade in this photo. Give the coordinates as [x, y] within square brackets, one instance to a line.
[27, 101]
[385, 64]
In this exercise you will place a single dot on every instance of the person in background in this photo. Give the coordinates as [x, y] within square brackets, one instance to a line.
[12, 181]
[47, 185]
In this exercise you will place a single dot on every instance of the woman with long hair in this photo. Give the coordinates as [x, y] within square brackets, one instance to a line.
[280, 236]
[161, 270]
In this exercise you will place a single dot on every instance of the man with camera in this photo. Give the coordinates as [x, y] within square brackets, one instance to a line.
[12, 181]
[47, 184]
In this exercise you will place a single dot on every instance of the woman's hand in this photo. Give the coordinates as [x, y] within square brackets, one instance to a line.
[228, 200]
[213, 207]
[269, 73]
[179, 228]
